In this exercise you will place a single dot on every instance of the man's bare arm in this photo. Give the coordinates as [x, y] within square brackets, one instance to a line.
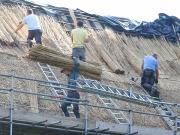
[86, 39]
[19, 27]
[157, 74]
[142, 66]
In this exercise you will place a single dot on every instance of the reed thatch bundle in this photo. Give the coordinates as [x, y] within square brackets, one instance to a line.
[112, 63]
[132, 59]
[47, 55]
[105, 46]
[105, 54]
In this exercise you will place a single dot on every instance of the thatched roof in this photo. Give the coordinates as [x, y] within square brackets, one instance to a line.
[126, 52]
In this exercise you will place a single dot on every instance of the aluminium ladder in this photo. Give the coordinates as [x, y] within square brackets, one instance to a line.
[117, 93]
[162, 109]
[165, 109]
[117, 115]
[108, 102]
[50, 76]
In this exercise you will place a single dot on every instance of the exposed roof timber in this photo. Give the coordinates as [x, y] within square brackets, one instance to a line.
[81, 15]
[68, 23]
[82, 18]
[77, 14]
[57, 9]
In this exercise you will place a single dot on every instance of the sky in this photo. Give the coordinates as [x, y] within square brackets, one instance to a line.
[139, 10]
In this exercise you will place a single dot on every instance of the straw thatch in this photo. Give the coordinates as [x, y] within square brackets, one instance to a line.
[111, 50]
[50, 56]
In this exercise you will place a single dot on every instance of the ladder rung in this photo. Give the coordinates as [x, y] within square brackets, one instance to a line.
[125, 94]
[47, 72]
[50, 76]
[145, 98]
[97, 85]
[51, 79]
[133, 96]
[120, 118]
[114, 90]
[42, 63]
[116, 113]
[44, 67]
[56, 88]
[108, 103]
[140, 98]
[106, 88]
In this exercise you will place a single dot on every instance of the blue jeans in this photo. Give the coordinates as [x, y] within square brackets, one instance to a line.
[72, 95]
[79, 52]
[37, 34]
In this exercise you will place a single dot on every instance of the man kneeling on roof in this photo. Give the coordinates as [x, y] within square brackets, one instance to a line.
[150, 74]
[79, 38]
[34, 28]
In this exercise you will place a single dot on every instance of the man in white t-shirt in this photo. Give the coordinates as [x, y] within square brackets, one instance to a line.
[34, 28]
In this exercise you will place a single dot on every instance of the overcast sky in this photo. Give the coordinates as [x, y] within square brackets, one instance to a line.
[140, 10]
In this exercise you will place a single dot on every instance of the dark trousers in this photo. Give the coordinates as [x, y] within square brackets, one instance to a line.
[37, 34]
[148, 79]
[72, 95]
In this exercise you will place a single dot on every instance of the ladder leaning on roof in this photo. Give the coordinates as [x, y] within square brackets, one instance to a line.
[117, 115]
[50, 76]
[108, 102]
[164, 109]
[161, 107]
[113, 92]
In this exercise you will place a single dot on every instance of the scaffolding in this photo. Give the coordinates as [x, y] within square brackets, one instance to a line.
[9, 119]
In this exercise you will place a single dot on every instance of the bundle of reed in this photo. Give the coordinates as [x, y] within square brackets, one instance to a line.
[106, 56]
[112, 64]
[132, 59]
[177, 52]
[49, 56]
[71, 12]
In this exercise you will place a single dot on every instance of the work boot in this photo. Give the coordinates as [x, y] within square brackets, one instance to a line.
[30, 43]
[147, 87]
[155, 92]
